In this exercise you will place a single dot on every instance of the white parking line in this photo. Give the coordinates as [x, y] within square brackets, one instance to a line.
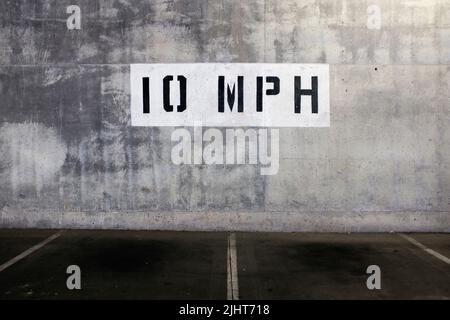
[232, 273]
[29, 251]
[426, 249]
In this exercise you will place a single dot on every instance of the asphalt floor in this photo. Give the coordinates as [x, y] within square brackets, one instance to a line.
[196, 265]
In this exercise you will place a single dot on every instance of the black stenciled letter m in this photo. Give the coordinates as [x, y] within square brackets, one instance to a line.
[231, 94]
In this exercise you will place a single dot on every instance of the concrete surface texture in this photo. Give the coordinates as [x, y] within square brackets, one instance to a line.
[193, 265]
[69, 157]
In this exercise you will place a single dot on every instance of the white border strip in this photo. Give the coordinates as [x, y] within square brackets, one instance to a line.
[29, 251]
[426, 249]
[232, 273]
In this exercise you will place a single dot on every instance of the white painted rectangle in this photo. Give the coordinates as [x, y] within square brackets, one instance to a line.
[202, 95]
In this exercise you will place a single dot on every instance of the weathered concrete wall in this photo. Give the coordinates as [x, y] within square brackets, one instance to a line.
[69, 157]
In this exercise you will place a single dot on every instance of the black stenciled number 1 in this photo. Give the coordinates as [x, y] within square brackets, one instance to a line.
[146, 94]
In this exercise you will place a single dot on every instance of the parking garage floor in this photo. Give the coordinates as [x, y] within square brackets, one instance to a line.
[197, 265]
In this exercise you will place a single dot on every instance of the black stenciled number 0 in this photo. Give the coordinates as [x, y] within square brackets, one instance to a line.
[166, 92]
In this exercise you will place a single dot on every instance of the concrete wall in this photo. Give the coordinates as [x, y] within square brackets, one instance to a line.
[69, 157]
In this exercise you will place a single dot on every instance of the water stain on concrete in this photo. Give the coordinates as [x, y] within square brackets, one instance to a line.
[31, 155]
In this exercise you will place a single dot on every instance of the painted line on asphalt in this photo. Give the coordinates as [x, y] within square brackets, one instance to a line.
[424, 248]
[29, 251]
[232, 271]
